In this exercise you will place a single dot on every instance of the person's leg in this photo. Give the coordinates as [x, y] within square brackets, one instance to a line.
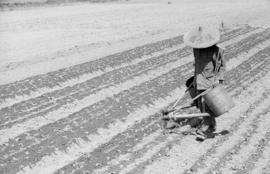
[208, 125]
[210, 121]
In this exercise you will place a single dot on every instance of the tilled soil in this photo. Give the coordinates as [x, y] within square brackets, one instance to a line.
[103, 116]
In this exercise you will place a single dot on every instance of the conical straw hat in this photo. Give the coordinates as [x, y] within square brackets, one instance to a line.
[202, 37]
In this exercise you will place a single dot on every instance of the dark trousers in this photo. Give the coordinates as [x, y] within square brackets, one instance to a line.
[209, 122]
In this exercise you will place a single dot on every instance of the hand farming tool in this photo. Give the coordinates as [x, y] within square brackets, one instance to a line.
[215, 97]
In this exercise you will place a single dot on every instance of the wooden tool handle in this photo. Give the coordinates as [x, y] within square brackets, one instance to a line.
[185, 116]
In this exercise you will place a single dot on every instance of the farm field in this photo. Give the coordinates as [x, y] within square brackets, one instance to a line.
[82, 103]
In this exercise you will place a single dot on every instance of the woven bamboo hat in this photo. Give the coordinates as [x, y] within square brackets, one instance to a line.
[202, 37]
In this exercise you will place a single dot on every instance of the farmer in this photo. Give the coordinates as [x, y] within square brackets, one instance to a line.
[209, 72]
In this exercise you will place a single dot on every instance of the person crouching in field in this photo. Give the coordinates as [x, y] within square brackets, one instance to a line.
[209, 72]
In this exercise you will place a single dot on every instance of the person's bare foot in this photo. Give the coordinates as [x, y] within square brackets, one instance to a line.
[202, 135]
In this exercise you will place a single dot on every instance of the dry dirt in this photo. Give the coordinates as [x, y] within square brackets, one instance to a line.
[81, 87]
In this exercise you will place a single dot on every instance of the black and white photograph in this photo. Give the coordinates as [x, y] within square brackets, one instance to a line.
[134, 86]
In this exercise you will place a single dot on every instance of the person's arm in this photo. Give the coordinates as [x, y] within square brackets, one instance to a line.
[222, 68]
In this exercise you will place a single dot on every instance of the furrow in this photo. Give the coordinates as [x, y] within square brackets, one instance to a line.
[105, 155]
[59, 158]
[53, 101]
[41, 120]
[119, 150]
[231, 144]
[55, 78]
[87, 166]
[212, 157]
[136, 157]
[87, 124]
[234, 160]
[139, 168]
[256, 72]
[239, 76]
[186, 153]
[153, 150]
[232, 36]
[58, 98]
[262, 165]
[147, 161]
[77, 115]
[82, 78]
[257, 154]
[192, 168]
[11, 99]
